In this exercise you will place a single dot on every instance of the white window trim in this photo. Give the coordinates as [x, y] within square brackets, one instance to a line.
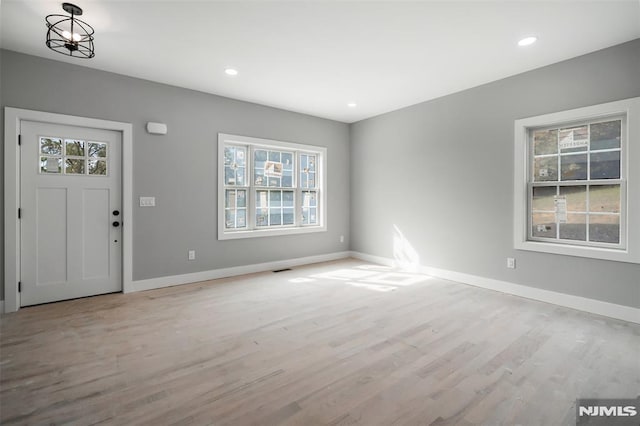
[631, 253]
[224, 234]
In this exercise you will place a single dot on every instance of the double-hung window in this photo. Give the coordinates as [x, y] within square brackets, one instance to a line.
[268, 187]
[577, 182]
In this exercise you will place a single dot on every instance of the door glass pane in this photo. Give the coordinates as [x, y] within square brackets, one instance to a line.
[604, 228]
[97, 167]
[604, 198]
[74, 166]
[51, 146]
[605, 165]
[545, 169]
[574, 167]
[97, 150]
[50, 165]
[543, 198]
[605, 135]
[576, 198]
[575, 228]
[74, 147]
[543, 225]
[545, 142]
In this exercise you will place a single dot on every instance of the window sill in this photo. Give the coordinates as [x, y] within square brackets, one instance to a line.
[256, 233]
[619, 255]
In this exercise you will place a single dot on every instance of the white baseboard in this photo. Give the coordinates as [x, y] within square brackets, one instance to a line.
[612, 310]
[153, 283]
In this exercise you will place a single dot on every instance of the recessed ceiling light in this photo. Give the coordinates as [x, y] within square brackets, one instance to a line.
[527, 41]
[352, 104]
[231, 71]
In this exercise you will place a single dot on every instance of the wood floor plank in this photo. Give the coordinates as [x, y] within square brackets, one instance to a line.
[336, 343]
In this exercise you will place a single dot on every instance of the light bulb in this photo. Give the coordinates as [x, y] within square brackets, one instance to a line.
[66, 34]
[76, 37]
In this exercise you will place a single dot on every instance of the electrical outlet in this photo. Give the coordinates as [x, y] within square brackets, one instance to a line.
[511, 263]
[192, 255]
[342, 238]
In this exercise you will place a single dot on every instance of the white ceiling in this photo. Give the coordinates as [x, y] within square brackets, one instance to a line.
[314, 57]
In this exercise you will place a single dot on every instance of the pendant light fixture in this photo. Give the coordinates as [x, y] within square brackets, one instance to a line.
[69, 35]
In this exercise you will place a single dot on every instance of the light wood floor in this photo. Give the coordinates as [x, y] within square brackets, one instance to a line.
[336, 343]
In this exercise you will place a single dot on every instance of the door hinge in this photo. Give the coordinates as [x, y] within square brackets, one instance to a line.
[19, 139]
[19, 286]
[19, 213]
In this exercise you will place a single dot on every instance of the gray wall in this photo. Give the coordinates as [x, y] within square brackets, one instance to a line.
[180, 169]
[442, 171]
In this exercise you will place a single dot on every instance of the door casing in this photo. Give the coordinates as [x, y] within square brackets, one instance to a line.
[12, 121]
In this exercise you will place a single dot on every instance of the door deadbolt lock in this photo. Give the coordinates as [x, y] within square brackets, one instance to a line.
[116, 212]
[116, 224]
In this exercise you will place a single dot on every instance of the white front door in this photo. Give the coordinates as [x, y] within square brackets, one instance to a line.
[70, 207]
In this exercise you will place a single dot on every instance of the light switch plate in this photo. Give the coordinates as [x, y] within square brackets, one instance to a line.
[147, 201]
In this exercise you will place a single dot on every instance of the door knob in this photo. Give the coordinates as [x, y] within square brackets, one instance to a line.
[116, 212]
[116, 223]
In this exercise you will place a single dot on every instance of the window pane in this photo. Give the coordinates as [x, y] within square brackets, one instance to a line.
[261, 199]
[241, 218]
[50, 165]
[313, 218]
[241, 155]
[575, 139]
[543, 225]
[74, 147]
[229, 155]
[274, 156]
[287, 161]
[51, 146]
[545, 169]
[97, 167]
[574, 167]
[543, 198]
[545, 142]
[605, 165]
[230, 199]
[74, 167]
[275, 216]
[575, 228]
[274, 182]
[576, 198]
[604, 198]
[604, 228]
[261, 217]
[230, 219]
[240, 176]
[229, 176]
[260, 156]
[287, 218]
[97, 150]
[287, 198]
[275, 198]
[242, 198]
[605, 135]
[259, 178]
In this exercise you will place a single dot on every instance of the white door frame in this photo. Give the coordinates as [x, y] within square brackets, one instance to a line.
[12, 119]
